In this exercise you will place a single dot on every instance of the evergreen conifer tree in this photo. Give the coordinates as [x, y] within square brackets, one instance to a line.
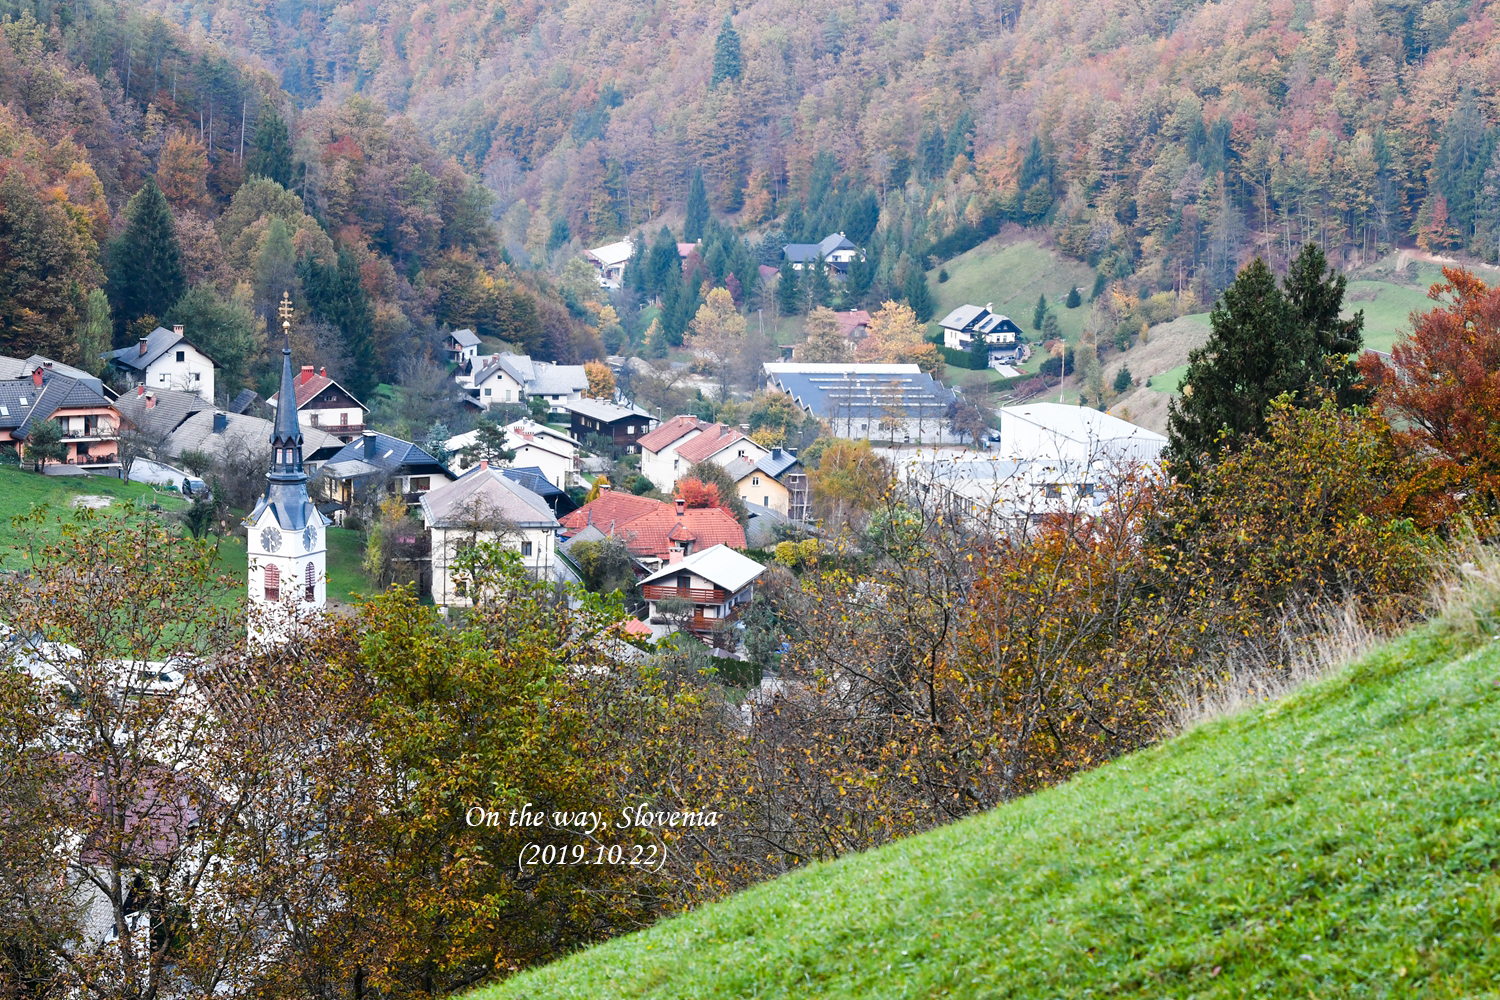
[917, 294]
[697, 209]
[819, 290]
[94, 332]
[1039, 314]
[270, 153]
[145, 275]
[979, 353]
[727, 61]
[1074, 299]
[788, 295]
[336, 295]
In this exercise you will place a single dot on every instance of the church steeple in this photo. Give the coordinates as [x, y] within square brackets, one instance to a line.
[286, 435]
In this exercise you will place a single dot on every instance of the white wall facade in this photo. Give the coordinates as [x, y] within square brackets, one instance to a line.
[537, 547]
[184, 368]
[291, 553]
[663, 467]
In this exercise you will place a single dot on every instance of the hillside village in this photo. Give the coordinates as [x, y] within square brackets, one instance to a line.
[851, 502]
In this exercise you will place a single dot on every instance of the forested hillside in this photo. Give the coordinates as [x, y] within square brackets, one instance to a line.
[150, 177]
[1167, 139]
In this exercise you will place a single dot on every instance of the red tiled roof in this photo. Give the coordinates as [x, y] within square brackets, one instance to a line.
[634, 626]
[668, 432]
[852, 320]
[649, 527]
[613, 507]
[308, 384]
[715, 438]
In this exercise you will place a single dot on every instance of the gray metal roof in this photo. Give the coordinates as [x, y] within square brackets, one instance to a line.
[22, 401]
[841, 395]
[167, 410]
[158, 342]
[465, 338]
[388, 454]
[485, 492]
[601, 410]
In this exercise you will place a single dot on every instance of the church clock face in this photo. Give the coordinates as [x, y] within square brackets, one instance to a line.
[309, 537]
[270, 539]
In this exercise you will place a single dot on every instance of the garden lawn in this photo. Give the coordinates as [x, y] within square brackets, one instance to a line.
[1343, 842]
[22, 490]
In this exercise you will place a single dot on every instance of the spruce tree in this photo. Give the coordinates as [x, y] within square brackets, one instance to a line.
[697, 209]
[270, 153]
[727, 61]
[145, 275]
[1266, 342]
[94, 332]
[788, 295]
[979, 353]
[819, 290]
[917, 294]
[1039, 314]
[336, 295]
[1074, 299]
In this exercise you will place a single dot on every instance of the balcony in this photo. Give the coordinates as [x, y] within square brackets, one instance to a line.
[658, 592]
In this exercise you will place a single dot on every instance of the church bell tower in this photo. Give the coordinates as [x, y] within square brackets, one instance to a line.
[286, 539]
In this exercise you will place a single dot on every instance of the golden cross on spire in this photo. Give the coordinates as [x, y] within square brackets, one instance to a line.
[285, 311]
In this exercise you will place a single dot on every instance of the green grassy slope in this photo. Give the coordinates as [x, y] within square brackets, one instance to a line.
[1012, 276]
[1342, 842]
[21, 490]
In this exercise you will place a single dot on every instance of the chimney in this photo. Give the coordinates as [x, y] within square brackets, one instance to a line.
[323, 371]
[674, 557]
[140, 390]
[307, 374]
[177, 329]
[36, 376]
[370, 446]
[142, 351]
[150, 400]
[776, 453]
[47, 365]
[744, 428]
[605, 487]
[484, 465]
[681, 505]
[221, 422]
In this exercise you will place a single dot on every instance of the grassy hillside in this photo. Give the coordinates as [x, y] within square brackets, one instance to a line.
[1012, 276]
[1342, 842]
[21, 490]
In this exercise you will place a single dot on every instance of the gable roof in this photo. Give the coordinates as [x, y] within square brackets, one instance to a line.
[649, 527]
[977, 319]
[670, 431]
[534, 479]
[16, 368]
[719, 564]
[160, 411]
[852, 320]
[802, 253]
[388, 454]
[775, 465]
[613, 253]
[308, 384]
[196, 433]
[604, 411]
[714, 439]
[486, 492]
[158, 342]
[57, 391]
[465, 338]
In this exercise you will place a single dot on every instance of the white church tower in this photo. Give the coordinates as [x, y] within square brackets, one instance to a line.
[287, 540]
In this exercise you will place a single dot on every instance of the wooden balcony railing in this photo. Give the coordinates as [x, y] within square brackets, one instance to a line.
[658, 592]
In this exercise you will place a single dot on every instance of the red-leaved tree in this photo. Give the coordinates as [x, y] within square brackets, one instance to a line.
[696, 493]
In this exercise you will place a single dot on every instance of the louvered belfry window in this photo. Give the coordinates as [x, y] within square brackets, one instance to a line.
[273, 582]
[309, 583]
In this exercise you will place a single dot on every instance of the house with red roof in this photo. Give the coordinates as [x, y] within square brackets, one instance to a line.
[674, 447]
[324, 404]
[653, 531]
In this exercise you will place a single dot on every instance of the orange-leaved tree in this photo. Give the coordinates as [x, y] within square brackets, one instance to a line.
[1441, 389]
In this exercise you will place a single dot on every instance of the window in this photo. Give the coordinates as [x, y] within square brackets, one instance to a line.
[197, 377]
[181, 356]
[163, 378]
[1054, 491]
[1086, 490]
[507, 394]
[315, 420]
[273, 582]
[343, 420]
[754, 480]
[525, 548]
[765, 501]
[421, 484]
[309, 583]
[487, 392]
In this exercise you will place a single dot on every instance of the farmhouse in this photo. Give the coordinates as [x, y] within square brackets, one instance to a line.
[963, 324]
[835, 249]
[515, 378]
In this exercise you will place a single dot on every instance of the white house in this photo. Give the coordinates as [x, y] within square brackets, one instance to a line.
[325, 405]
[714, 586]
[835, 249]
[963, 324]
[514, 378]
[536, 446]
[485, 506]
[610, 262]
[674, 447]
[461, 345]
[164, 359]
